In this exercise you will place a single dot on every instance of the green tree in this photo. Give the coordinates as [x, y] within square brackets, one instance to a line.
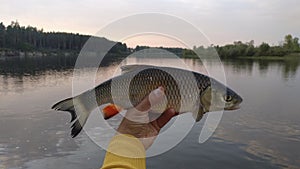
[2, 35]
[263, 49]
[288, 42]
[296, 44]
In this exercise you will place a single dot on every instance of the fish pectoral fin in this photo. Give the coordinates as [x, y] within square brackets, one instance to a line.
[197, 115]
[110, 110]
[130, 68]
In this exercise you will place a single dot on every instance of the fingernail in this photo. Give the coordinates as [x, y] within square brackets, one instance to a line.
[175, 113]
[158, 92]
[172, 110]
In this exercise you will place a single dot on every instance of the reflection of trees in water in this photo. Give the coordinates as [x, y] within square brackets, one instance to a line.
[288, 66]
[23, 66]
[263, 66]
[37, 65]
[15, 72]
[240, 65]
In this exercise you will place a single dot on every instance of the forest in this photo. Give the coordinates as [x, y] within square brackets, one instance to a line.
[30, 38]
[27, 39]
[289, 46]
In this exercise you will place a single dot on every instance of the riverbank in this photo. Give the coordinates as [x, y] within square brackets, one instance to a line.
[5, 53]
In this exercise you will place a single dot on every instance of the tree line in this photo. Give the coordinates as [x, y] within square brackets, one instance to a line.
[248, 49]
[30, 38]
[21, 38]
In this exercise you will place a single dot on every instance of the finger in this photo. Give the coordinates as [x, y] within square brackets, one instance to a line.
[153, 98]
[166, 117]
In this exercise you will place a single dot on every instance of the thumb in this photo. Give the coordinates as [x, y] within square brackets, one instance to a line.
[140, 112]
[155, 97]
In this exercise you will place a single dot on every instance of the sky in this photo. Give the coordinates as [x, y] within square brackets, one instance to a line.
[222, 21]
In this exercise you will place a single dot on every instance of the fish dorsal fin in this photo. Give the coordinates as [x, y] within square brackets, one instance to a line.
[130, 68]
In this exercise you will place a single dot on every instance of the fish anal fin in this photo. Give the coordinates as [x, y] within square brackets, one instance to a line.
[110, 110]
[198, 114]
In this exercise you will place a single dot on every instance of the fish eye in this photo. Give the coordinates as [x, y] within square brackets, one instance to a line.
[227, 98]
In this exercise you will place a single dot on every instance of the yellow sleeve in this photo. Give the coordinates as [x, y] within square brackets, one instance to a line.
[125, 152]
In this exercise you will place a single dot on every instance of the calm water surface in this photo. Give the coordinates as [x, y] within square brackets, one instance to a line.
[264, 133]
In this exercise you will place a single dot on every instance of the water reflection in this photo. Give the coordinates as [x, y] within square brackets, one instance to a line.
[287, 66]
[35, 65]
[14, 71]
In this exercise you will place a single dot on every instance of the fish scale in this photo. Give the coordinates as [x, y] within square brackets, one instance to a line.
[143, 82]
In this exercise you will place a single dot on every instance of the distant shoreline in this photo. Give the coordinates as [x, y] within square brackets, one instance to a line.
[8, 53]
[16, 53]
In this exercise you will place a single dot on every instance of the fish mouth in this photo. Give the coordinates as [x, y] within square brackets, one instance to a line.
[235, 107]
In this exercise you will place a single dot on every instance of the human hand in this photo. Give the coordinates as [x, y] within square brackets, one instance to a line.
[137, 122]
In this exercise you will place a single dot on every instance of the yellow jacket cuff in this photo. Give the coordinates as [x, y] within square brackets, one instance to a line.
[125, 151]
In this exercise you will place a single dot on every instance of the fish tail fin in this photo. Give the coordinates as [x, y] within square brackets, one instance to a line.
[79, 114]
[66, 105]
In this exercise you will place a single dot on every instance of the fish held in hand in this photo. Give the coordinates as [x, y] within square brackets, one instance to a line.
[185, 91]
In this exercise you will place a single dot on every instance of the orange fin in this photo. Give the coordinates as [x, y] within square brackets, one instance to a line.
[110, 110]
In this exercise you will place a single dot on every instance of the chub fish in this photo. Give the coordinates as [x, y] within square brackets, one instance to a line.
[185, 91]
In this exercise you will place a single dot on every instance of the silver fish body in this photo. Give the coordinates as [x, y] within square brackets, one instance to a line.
[185, 91]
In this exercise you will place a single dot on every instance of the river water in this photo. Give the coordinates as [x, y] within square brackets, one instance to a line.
[264, 133]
